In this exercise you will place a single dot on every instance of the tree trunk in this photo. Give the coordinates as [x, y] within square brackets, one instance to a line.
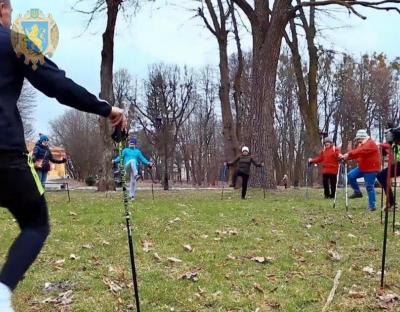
[106, 93]
[231, 146]
[266, 50]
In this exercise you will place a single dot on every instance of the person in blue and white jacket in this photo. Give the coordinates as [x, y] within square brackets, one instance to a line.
[132, 156]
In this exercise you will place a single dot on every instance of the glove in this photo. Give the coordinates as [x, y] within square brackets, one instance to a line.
[150, 165]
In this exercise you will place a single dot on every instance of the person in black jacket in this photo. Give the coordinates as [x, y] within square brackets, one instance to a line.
[42, 157]
[21, 191]
[245, 160]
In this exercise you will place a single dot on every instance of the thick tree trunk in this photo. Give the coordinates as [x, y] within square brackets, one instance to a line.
[231, 146]
[106, 93]
[266, 50]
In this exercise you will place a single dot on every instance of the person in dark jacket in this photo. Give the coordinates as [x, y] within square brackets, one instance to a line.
[244, 160]
[42, 157]
[21, 191]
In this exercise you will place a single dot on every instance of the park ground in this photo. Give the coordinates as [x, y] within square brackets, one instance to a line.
[196, 252]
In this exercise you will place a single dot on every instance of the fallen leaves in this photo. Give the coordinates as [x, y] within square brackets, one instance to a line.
[191, 276]
[258, 288]
[334, 255]
[188, 248]
[368, 270]
[174, 260]
[113, 286]
[74, 257]
[63, 299]
[388, 301]
[357, 294]
[147, 246]
[262, 260]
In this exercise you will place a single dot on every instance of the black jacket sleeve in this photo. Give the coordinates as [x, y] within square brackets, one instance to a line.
[55, 161]
[234, 162]
[255, 163]
[52, 81]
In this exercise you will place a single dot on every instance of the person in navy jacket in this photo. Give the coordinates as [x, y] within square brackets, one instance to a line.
[42, 157]
[21, 191]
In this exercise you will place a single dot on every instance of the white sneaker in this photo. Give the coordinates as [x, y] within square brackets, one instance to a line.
[5, 299]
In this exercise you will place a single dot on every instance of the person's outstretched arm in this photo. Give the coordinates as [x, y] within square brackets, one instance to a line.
[234, 162]
[52, 81]
[255, 163]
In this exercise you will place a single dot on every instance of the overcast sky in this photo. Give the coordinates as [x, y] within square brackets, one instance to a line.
[170, 34]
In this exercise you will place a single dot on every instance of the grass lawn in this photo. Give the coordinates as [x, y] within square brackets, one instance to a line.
[87, 265]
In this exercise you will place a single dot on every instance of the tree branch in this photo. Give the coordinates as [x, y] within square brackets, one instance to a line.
[349, 5]
[247, 9]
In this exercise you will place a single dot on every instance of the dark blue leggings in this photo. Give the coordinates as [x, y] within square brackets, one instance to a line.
[19, 193]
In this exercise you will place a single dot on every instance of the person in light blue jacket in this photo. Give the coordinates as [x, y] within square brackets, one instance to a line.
[132, 156]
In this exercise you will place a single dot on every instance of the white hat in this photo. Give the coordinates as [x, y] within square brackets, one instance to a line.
[362, 135]
[245, 149]
[328, 139]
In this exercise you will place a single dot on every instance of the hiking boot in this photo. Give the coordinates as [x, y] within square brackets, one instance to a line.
[355, 195]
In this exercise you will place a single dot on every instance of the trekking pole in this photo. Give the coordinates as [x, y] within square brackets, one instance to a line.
[337, 182]
[309, 165]
[120, 137]
[224, 173]
[346, 182]
[264, 178]
[395, 188]
[152, 181]
[388, 187]
[383, 165]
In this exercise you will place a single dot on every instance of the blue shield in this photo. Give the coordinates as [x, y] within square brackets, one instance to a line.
[36, 35]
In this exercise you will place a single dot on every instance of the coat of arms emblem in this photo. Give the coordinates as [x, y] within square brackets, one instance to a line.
[35, 36]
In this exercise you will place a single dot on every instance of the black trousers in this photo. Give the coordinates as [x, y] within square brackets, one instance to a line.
[382, 178]
[329, 181]
[245, 181]
[22, 195]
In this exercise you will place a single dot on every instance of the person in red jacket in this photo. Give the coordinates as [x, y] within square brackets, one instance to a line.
[369, 164]
[329, 157]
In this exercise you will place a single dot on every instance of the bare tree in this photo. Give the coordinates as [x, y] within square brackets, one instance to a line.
[167, 105]
[112, 9]
[268, 21]
[218, 27]
[26, 106]
[78, 133]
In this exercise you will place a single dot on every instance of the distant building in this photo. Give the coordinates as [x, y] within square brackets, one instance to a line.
[56, 170]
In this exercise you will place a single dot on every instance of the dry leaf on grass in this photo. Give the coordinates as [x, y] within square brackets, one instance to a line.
[74, 257]
[147, 246]
[175, 220]
[334, 255]
[191, 276]
[258, 287]
[63, 299]
[357, 294]
[369, 270]
[188, 248]
[262, 260]
[174, 260]
[157, 257]
[388, 301]
[112, 286]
